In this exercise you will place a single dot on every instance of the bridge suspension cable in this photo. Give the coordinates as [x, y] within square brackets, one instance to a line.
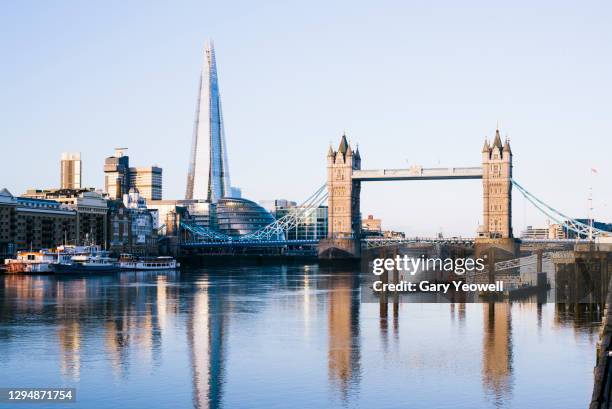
[574, 225]
[205, 233]
[275, 231]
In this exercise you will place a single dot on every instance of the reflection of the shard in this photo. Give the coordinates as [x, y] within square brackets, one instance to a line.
[497, 349]
[343, 327]
[205, 338]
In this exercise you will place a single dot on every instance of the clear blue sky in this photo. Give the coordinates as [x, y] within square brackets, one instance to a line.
[412, 82]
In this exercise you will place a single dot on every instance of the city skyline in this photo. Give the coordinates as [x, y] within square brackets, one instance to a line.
[434, 104]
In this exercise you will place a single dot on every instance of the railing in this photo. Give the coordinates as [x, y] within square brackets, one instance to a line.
[382, 242]
[418, 172]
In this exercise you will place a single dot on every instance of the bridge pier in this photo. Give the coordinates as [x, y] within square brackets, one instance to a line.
[500, 249]
[339, 248]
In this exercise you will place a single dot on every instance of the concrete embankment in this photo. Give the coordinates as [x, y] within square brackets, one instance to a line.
[603, 367]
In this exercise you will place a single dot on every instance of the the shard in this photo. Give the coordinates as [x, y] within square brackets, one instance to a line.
[208, 176]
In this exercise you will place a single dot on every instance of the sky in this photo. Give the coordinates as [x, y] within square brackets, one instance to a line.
[411, 82]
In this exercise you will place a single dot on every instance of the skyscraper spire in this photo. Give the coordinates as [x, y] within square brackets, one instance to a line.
[208, 176]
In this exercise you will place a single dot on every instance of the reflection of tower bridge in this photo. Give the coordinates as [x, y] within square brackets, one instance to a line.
[342, 192]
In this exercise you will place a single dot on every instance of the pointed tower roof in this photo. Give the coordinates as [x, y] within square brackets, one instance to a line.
[497, 141]
[486, 147]
[330, 151]
[507, 145]
[343, 144]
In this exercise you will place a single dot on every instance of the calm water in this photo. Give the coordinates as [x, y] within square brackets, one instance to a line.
[278, 337]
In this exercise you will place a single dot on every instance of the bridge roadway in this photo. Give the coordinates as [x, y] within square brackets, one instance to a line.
[250, 243]
[418, 173]
[367, 243]
[381, 242]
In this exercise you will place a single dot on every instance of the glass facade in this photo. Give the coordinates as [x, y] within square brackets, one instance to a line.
[312, 226]
[148, 181]
[236, 217]
[208, 176]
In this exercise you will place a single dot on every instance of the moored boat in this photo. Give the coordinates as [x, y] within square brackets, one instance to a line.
[128, 262]
[86, 260]
[35, 262]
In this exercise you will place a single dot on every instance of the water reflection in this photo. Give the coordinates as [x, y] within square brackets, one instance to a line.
[170, 339]
[343, 330]
[497, 351]
[206, 329]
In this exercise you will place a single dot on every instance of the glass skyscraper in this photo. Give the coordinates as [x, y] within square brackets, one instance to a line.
[208, 176]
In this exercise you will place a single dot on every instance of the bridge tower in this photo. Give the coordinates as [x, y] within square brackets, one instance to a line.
[344, 216]
[496, 230]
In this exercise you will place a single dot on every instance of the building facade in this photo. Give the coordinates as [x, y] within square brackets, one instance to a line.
[116, 174]
[312, 224]
[91, 212]
[8, 223]
[43, 224]
[71, 170]
[119, 177]
[208, 176]
[371, 226]
[148, 181]
[131, 226]
[237, 217]
[31, 223]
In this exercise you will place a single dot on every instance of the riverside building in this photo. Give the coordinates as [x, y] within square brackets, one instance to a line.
[34, 223]
[91, 211]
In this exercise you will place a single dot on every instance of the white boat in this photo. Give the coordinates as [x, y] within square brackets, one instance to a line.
[88, 259]
[127, 262]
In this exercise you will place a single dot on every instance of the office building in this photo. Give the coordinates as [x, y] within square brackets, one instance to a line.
[116, 174]
[311, 225]
[71, 171]
[148, 181]
[119, 177]
[236, 217]
[208, 176]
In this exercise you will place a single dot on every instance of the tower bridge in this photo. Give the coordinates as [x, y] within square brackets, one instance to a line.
[343, 189]
[344, 178]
